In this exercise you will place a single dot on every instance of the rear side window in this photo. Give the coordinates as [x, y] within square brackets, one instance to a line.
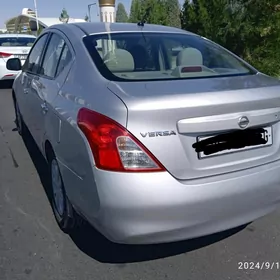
[144, 56]
[52, 56]
[17, 41]
[57, 57]
[65, 59]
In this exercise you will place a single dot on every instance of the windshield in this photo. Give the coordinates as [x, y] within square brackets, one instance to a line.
[161, 56]
[17, 41]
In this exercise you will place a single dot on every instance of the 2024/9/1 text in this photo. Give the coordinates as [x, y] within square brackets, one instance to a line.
[258, 265]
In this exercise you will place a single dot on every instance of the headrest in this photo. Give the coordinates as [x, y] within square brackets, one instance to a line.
[189, 57]
[119, 60]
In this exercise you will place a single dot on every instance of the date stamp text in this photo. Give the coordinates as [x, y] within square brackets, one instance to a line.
[258, 265]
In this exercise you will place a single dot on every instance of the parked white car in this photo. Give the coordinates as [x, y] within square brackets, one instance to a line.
[13, 46]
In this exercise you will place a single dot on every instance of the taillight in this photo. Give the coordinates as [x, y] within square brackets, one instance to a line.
[113, 147]
[4, 55]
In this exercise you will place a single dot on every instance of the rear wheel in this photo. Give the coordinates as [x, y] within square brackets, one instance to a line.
[64, 213]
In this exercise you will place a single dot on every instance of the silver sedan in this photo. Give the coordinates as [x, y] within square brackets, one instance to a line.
[152, 134]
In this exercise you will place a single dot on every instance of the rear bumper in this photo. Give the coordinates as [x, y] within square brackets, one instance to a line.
[156, 208]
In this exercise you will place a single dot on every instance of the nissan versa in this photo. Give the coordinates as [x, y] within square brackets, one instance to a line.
[152, 134]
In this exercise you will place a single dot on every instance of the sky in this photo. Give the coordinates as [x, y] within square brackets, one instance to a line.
[52, 8]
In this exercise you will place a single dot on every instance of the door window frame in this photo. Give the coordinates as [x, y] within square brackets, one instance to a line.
[49, 34]
[69, 45]
[44, 56]
[43, 53]
[66, 42]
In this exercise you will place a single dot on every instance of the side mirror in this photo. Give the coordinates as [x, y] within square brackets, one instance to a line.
[14, 64]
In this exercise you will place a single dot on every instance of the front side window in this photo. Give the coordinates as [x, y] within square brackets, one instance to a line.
[157, 56]
[33, 61]
[17, 41]
[52, 56]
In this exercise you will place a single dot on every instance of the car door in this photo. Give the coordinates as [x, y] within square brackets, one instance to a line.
[29, 73]
[52, 74]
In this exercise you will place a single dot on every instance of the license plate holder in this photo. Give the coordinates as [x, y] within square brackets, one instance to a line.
[266, 135]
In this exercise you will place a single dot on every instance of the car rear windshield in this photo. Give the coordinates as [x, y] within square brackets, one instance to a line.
[139, 56]
[17, 41]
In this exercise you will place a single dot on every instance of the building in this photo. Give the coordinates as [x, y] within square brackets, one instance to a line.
[107, 10]
[20, 23]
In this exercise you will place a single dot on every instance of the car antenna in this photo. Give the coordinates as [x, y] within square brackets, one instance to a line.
[141, 23]
[143, 20]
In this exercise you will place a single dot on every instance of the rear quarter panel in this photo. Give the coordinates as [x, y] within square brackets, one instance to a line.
[84, 87]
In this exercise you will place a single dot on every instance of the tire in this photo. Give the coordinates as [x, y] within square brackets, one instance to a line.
[21, 127]
[65, 215]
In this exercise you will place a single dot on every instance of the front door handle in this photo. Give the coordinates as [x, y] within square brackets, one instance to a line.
[44, 108]
[25, 91]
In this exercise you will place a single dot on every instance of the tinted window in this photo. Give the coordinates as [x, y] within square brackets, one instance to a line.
[152, 56]
[52, 56]
[17, 41]
[33, 61]
[65, 59]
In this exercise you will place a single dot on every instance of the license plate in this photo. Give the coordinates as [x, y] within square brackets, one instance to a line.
[21, 56]
[265, 134]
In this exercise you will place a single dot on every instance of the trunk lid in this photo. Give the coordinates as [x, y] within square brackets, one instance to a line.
[19, 52]
[169, 117]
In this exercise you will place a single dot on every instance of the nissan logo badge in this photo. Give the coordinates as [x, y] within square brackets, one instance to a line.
[243, 122]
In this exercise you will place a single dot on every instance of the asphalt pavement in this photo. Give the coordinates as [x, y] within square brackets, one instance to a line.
[33, 247]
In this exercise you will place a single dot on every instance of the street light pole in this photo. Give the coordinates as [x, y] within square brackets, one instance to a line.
[89, 16]
[89, 7]
[36, 14]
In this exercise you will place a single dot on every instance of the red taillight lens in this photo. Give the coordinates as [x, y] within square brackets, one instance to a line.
[113, 147]
[4, 55]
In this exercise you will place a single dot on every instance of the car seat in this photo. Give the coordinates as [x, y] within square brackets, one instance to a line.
[189, 57]
[119, 60]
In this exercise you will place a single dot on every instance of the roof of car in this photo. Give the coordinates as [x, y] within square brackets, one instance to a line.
[6, 35]
[100, 27]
